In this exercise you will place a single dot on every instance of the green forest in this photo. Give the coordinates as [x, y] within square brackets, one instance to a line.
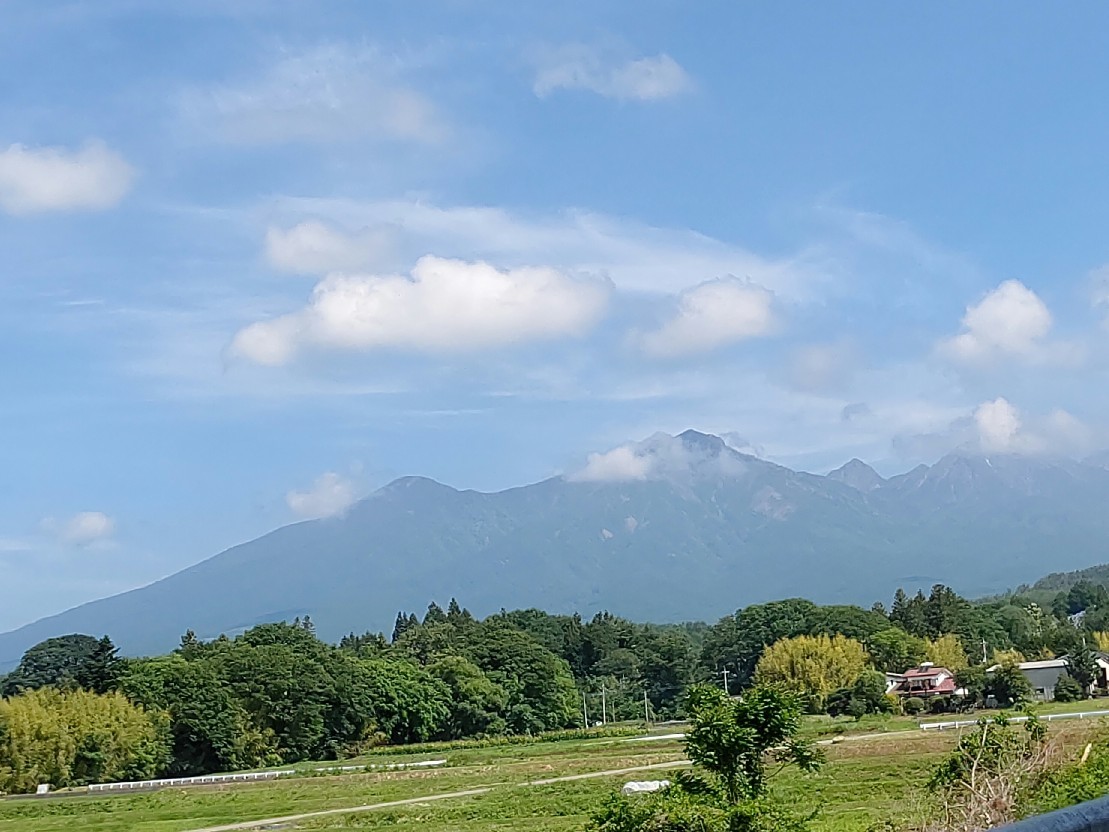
[75, 712]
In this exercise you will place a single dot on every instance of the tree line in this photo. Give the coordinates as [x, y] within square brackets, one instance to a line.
[75, 712]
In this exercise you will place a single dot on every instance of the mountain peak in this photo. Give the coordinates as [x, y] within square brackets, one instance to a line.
[704, 442]
[858, 475]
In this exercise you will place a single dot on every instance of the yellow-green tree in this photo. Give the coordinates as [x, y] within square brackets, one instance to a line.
[814, 665]
[1007, 657]
[947, 651]
[77, 737]
[1101, 640]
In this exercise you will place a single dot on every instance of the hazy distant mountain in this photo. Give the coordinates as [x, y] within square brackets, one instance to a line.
[858, 475]
[672, 528]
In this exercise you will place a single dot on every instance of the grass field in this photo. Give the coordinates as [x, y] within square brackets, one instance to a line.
[867, 779]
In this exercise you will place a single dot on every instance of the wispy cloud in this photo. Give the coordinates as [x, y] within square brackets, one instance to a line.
[580, 67]
[712, 315]
[330, 495]
[82, 529]
[330, 93]
[312, 247]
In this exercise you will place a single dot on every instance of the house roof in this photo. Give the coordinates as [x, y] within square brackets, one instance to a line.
[925, 672]
[1040, 665]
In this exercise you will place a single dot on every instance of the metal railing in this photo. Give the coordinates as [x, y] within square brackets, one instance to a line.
[966, 723]
[253, 776]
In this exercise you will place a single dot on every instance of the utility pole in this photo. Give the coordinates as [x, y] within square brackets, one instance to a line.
[646, 709]
[984, 659]
[584, 709]
[604, 706]
[725, 672]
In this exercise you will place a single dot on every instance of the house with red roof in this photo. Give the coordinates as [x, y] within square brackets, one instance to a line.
[926, 681]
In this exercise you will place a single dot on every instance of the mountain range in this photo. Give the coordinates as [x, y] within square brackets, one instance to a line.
[683, 527]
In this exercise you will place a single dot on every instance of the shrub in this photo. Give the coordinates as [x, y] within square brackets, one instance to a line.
[987, 781]
[913, 705]
[1068, 690]
[1078, 782]
[939, 704]
[677, 810]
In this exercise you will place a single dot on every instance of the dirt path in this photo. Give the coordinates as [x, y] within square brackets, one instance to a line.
[288, 819]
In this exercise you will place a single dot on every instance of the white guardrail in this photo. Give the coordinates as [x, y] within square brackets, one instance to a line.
[249, 777]
[966, 723]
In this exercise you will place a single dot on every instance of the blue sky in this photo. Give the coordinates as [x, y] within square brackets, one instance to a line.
[260, 257]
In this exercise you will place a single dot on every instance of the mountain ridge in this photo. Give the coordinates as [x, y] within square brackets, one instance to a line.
[689, 528]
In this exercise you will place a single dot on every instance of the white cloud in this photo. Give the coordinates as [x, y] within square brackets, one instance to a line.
[42, 179]
[445, 305]
[325, 94]
[1001, 427]
[329, 495]
[582, 68]
[82, 529]
[621, 464]
[712, 315]
[635, 256]
[998, 424]
[312, 247]
[661, 456]
[1010, 321]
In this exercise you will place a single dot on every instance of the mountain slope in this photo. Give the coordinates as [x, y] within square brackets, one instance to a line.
[698, 531]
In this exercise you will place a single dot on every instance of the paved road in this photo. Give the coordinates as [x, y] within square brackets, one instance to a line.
[288, 819]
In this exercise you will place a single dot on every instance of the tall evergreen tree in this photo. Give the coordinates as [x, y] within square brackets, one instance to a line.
[100, 671]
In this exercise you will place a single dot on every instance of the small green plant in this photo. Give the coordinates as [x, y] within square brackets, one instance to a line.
[913, 705]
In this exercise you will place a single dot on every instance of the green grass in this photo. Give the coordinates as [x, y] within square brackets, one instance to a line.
[172, 810]
[867, 780]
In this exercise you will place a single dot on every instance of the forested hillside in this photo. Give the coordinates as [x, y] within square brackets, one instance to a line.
[76, 712]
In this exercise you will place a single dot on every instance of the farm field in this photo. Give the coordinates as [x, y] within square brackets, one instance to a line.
[867, 779]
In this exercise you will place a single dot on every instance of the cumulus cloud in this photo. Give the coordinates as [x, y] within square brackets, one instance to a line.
[313, 247]
[712, 315]
[444, 305]
[42, 179]
[583, 68]
[618, 465]
[329, 93]
[1010, 321]
[328, 496]
[998, 426]
[82, 529]
[661, 457]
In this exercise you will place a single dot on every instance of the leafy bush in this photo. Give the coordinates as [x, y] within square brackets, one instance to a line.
[1068, 785]
[676, 810]
[1068, 690]
[988, 779]
[939, 705]
[913, 705]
